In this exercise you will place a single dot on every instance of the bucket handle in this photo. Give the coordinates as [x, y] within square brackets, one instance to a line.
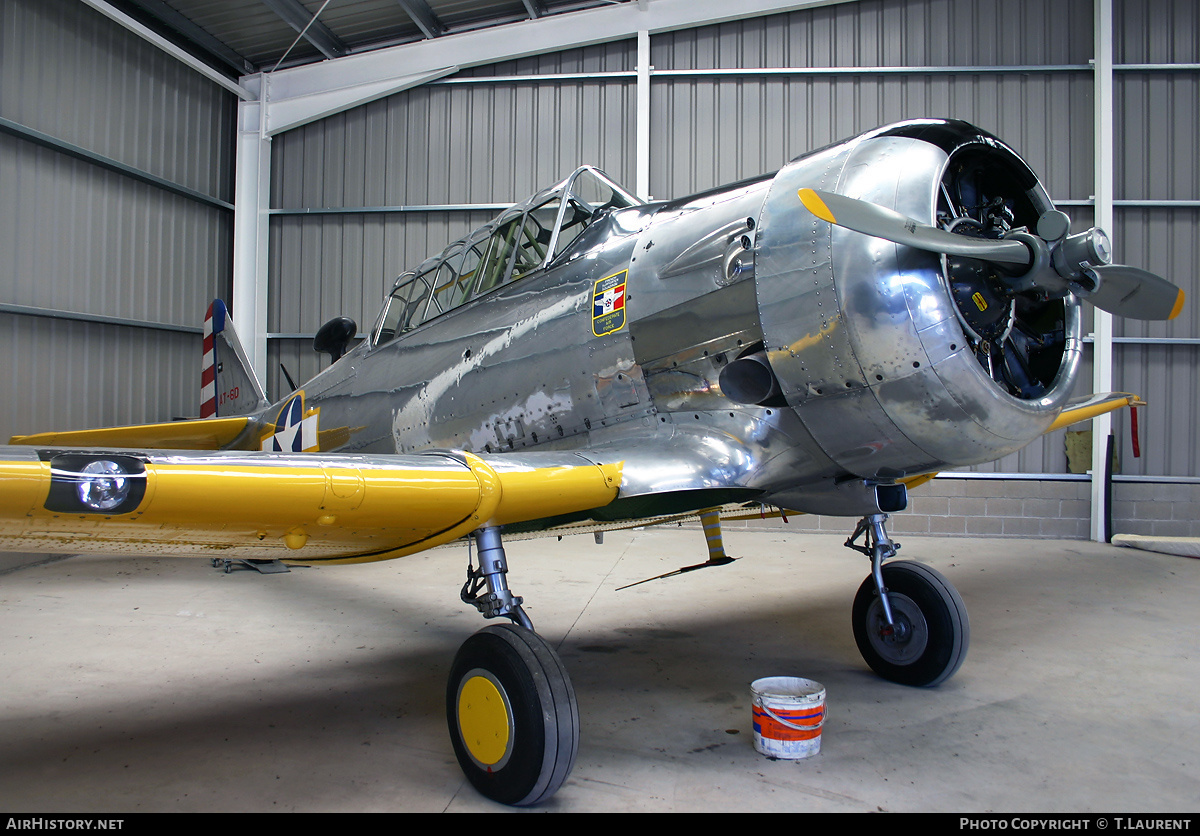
[784, 722]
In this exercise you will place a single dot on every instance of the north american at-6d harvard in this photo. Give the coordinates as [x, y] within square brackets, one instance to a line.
[819, 339]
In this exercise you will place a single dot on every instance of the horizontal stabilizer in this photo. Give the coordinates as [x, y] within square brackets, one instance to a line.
[202, 434]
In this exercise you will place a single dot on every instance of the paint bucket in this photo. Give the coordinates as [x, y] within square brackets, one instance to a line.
[788, 715]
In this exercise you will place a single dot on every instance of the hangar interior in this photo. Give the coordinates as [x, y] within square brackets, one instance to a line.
[141, 176]
[118, 201]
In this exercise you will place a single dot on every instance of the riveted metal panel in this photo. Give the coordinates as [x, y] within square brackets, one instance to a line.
[1048, 453]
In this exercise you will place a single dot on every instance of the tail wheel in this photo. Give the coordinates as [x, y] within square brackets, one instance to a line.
[512, 715]
[928, 639]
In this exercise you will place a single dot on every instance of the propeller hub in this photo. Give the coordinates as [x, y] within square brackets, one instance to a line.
[1085, 249]
[1053, 225]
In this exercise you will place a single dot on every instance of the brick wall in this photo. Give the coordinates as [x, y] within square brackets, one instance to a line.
[1026, 508]
[1166, 510]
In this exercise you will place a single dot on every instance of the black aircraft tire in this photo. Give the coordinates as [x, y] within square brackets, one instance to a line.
[512, 715]
[934, 635]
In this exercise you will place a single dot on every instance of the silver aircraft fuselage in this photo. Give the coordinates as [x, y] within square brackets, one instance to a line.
[730, 341]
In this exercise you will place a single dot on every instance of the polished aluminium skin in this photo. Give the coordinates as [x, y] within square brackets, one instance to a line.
[874, 377]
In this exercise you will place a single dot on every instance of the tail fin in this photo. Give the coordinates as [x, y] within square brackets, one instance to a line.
[228, 386]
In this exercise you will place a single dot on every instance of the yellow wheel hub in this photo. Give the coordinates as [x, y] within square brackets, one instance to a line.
[484, 720]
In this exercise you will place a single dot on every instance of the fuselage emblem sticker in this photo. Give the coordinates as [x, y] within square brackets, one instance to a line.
[608, 304]
[295, 430]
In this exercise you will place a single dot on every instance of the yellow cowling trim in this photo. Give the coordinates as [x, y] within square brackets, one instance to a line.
[1088, 411]
[911, 482]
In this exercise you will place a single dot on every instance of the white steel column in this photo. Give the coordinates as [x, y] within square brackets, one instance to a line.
[642, 153]
[251, 201]
[1102, 345]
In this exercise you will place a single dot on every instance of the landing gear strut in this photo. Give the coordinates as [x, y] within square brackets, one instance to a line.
[909, 622]
[513, 718]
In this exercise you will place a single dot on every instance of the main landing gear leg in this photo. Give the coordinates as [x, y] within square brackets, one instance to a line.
[513, 718]
[909, 622]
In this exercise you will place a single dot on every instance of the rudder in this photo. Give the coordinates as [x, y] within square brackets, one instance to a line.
[228, 385]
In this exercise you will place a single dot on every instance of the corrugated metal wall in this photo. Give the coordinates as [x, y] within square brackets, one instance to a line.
[77, 237]
[1157, 121]
[718, 128]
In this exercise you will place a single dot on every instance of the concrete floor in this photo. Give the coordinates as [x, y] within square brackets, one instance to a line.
[164, 685]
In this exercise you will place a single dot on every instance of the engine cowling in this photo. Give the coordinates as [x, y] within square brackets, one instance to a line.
[899, 360]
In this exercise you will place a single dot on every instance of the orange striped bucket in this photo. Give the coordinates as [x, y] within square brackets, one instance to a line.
[788, 715]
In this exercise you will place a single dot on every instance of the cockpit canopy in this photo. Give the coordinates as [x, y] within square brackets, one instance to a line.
[524, 238]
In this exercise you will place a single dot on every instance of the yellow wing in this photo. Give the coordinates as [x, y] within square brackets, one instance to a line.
[323, 508]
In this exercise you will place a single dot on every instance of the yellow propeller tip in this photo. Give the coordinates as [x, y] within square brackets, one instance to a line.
[813, 203]
[1175, 311]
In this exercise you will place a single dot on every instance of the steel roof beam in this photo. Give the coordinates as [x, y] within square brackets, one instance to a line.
[169, 47]
[318, 34]
[201, 38]
[535, 8]
[551, 33]
[423, 16]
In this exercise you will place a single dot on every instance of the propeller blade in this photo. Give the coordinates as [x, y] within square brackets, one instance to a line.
[870, 219]
[1123, 291]
[1136, 294]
